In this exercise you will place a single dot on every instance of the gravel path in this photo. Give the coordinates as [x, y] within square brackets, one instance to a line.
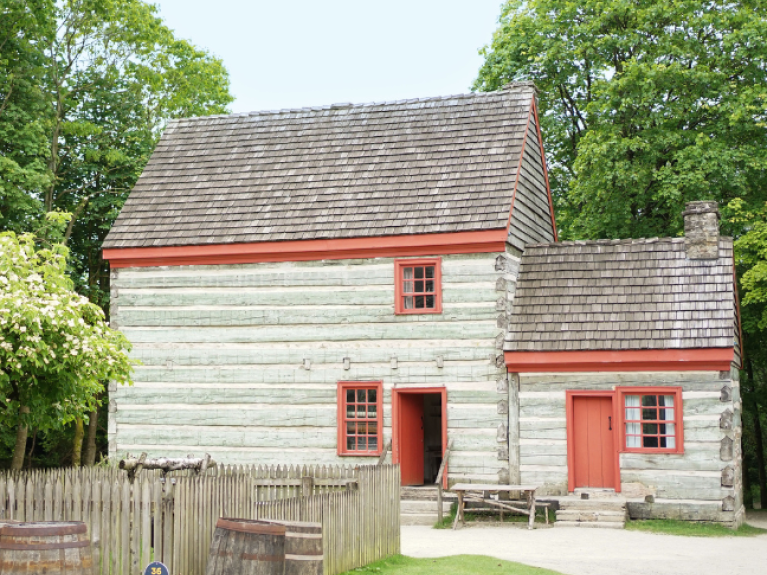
[577, 551]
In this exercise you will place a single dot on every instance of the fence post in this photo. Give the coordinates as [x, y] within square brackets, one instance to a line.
[307, 486]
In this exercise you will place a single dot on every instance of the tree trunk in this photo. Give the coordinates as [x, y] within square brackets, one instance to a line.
[759, 445]
[90, 446]
[748, 499]
[77, 446]
[758, 440]
[31, 449]
[20, 449]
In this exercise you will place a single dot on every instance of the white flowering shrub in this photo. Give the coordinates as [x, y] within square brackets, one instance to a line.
[56, 350]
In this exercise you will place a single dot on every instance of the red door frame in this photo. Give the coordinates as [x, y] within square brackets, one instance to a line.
[570, 396]
[395, 398]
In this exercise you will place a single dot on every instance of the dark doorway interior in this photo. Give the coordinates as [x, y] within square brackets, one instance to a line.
[432, 436]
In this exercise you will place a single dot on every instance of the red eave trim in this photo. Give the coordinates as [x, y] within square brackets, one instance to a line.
[308, 250]
[709, 359]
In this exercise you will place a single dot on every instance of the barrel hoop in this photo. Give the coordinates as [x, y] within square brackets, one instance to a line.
[37, 529]
[261, 557]
[43, 546]
[252, 527]
[303, 535]
[303, 557]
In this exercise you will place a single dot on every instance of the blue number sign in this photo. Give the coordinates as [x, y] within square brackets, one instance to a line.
[156, 568]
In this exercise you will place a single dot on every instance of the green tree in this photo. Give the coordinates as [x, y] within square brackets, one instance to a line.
[646, 105]
[55, 347]
[102, 78]
[26, 27]
[751, 260]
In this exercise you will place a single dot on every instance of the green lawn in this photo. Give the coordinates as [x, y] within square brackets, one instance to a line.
[692, 529]
[454, 565]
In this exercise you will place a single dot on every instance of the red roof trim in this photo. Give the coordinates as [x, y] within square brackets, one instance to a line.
[709, 359]
[309, 250]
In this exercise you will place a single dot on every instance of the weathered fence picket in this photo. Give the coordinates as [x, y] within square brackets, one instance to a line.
[172, 519]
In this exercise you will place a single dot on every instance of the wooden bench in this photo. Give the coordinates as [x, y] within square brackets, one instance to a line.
[468, 492]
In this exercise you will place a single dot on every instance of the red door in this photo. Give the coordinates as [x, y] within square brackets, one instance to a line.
[593, 442]
[411, 438]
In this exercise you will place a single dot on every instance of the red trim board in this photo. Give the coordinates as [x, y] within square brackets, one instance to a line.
[712, 359]
[308, 250]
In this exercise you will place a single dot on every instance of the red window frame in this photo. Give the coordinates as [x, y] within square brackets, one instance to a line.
[678, 419]
[344, 420]
[399, 285]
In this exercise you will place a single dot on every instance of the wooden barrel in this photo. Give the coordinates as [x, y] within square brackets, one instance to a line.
[303, 548]
[53, 548]
[247, 547]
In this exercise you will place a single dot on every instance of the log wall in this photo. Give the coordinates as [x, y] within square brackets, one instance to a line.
[703, 483]
[242, 361]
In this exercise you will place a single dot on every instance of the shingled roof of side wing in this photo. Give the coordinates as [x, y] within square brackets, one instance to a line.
[430, 165]
[622, 295]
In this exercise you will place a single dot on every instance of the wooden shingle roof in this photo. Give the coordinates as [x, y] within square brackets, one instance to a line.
[622, 295]
[422, 166]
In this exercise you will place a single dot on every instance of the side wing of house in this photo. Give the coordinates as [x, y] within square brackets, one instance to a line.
[627, 376]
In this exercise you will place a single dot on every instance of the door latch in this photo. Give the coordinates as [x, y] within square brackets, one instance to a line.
[610, 422]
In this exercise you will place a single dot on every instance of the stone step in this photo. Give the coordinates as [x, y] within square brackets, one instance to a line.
[590, 515]
[592, 493]
[592, 524]
[427, 493]
[418, 518]
[422, 506]
[592, 504]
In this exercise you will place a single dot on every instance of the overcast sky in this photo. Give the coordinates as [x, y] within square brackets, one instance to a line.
[288, 54]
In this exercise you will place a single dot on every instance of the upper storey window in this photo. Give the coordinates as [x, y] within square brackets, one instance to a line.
[418, 286]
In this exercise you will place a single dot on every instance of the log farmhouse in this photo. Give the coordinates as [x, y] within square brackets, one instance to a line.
[314, 285]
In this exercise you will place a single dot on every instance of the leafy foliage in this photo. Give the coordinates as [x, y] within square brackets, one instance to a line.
[646, 105]
[86, 88]
[55, 348]
[25, 27]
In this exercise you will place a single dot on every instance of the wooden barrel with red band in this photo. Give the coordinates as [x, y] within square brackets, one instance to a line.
[53, 548]
[303, 548]
[247, 547]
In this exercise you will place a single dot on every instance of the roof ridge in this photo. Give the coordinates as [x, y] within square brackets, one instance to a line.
[512, 86]
[606, 242]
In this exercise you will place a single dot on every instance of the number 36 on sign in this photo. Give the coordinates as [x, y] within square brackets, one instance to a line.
[156, 568]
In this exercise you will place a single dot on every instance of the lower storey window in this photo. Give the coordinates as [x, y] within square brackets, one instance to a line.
[359, 420]
[650, 420]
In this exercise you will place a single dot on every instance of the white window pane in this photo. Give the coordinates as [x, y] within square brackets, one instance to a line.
[671, 442]
[409, 302]
[633, 438]
[408, 273]
[668, 400]
[632, 407]
[667, 414]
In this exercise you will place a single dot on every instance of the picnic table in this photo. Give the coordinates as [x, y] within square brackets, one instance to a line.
[466, 492]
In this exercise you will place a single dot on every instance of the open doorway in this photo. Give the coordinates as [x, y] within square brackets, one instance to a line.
[420, 431]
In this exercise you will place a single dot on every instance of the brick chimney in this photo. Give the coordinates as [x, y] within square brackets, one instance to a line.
[701, 230]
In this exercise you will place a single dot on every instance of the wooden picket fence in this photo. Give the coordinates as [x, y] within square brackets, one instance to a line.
[172, 519]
